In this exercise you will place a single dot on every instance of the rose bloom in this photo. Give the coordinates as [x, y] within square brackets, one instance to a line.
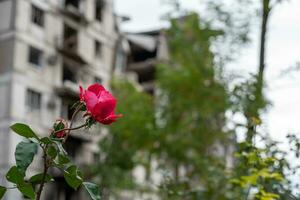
[100, 104]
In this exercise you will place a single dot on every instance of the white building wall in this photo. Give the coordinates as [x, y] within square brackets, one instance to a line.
[17, 74]
[5, 13]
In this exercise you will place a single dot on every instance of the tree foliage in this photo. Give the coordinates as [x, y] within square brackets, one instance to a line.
[192, 135]
[182, 133]
[130, 142]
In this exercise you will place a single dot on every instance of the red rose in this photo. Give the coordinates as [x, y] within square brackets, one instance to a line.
[100, 104]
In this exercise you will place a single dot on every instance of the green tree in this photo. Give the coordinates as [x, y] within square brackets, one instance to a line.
[183, 129]
[193, 101]
[128, 144]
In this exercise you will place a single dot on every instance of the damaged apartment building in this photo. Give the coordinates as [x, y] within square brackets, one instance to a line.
[139, 54]
[144, 51]
[48, 48]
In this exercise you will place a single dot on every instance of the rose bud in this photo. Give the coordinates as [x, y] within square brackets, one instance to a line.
[60, 124]
[100, 104]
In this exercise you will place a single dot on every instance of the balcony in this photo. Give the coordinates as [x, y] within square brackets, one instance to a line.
[73, 10]
[143, 66]
[68, 46]
[67, 89]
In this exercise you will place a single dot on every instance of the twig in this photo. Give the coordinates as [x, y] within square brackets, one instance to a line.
[71, 123]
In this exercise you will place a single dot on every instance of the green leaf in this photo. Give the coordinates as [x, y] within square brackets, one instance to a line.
[93, 190]
[63, 159]
[2, 191]
[52, 152]
[73, 177]
[27, 190]
[46, 140]
[14, 175]
[39, 177]
[24, 155]
[23, 130]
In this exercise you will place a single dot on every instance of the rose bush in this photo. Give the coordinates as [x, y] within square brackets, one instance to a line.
[99, 106]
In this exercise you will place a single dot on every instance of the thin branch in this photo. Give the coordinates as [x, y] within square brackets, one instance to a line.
[71, 123]
[70, 129]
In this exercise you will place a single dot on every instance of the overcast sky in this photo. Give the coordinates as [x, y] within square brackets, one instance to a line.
[283, 51]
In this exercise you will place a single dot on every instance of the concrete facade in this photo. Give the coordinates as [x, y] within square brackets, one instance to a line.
[43, 58]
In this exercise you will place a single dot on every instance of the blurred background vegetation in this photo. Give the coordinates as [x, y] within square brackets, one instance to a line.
[180, 136]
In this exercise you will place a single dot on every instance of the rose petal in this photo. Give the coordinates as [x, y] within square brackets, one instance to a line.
[110, 119]
[60, 134]
[96, 88]
[100, 103]
[105, 96]
[90, 99]
[107, 121]
[103, 109]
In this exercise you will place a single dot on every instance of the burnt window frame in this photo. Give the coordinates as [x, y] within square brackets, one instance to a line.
[35, 56]
[70, 38]
[99, 10]
[98, 80]
[37, 16]
[76, 4]
[68, 74]
[98, 49]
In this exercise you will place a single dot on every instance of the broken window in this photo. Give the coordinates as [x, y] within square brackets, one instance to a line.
[35, 56]
[98, 49]
[99, 10]
[68, 73]
[37, 16]
[33, 100]
[73, 3]
[98, 80]
[70, 38]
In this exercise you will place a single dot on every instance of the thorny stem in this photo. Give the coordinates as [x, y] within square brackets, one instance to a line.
[45, 158]
[71, 123]
[46, 167]
[70, 129]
